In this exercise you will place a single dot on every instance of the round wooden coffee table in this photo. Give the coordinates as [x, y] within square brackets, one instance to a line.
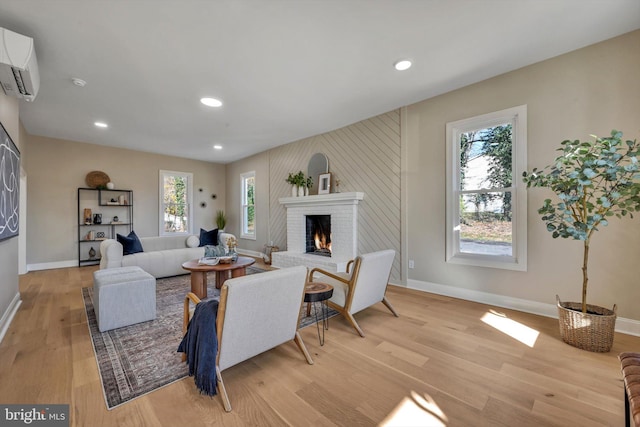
[199, 273]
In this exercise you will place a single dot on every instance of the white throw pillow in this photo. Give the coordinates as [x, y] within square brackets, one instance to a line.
[193, 241]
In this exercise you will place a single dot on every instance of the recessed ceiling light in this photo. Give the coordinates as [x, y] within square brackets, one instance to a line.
[78, 82]
[101, 124]
[405, 64]
[211, 102]
[217, 147]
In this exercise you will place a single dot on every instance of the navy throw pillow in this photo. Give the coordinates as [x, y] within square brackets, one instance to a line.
[130, 244]
[208, 237]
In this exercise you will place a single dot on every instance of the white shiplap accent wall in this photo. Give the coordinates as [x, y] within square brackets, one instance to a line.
[365, 157]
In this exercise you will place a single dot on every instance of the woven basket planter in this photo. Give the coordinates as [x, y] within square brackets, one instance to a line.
[591, 331]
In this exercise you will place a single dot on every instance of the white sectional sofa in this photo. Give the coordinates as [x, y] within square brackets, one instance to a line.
[162, 256]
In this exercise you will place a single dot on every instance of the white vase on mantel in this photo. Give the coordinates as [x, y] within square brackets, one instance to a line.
[306, 191]
[300, 191]
[294, 191]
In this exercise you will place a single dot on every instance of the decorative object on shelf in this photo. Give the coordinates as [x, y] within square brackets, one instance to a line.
[594, 181]
[90, 235]
[298, 182]
[92, 253]
[308, 184]
[87, 216]
[232, 244]
[318, 164]
[221, 220]
[97, 179]
[324, 183]
[100, 235]
[116, 219]
[122, 200]
[97, 218]
[110, 185]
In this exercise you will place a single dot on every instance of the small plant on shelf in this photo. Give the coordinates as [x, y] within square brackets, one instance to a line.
[297, 179]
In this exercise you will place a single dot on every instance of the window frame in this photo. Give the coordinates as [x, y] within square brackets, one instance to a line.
[161, 176]
[517, 117]
[243, 205]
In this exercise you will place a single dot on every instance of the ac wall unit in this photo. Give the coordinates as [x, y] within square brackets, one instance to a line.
[19, 74]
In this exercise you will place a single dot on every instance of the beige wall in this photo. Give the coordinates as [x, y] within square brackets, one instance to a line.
[589, 91]
[9, 248]
[58, 167]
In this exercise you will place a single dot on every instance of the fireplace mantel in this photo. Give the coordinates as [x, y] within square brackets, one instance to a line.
[352, 198]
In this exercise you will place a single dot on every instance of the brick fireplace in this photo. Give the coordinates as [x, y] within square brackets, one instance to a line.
[342, 208]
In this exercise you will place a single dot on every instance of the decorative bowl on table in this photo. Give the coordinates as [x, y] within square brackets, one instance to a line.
[210, 260]
[226, 259]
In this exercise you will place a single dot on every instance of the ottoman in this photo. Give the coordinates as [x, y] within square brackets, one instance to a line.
[123, 296]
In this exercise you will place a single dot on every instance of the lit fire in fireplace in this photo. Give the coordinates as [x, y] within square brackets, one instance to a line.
[321, 243]
[318, 235]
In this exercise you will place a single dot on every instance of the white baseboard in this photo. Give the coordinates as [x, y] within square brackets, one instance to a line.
[52, 265]
[8, 315]
[623, 325]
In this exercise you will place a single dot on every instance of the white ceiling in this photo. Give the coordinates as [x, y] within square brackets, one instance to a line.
[284, 69]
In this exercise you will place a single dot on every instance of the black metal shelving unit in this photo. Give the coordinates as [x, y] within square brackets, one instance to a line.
[108, 203]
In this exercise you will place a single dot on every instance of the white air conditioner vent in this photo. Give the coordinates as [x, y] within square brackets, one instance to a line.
[19, 74]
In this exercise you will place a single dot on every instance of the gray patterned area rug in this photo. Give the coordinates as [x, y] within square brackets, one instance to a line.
[138, 359]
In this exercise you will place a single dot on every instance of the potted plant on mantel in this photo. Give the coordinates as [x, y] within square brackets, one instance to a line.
[308, 185]
[594, 181]
[298, 182]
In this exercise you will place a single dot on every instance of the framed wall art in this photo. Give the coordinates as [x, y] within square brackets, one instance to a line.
[9, 186]
[324, 183]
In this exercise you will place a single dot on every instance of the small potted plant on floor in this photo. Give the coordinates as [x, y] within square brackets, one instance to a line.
[221, 220]
[594, 181]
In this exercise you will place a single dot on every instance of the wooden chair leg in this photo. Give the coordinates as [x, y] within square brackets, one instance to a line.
[353, 322]
[223, 391]
[386, 302]
[303, 348]
[627, 410]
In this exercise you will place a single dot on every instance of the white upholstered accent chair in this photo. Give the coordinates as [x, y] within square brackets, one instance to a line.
[256, 313]
[363, 285]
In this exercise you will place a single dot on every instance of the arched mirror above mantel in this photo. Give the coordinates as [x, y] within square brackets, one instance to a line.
[318, 164]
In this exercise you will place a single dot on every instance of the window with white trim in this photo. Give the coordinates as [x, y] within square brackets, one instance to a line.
[248, 209]
[486, 198]
[176, 194]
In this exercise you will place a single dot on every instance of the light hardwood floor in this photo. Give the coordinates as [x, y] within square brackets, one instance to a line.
[437, 363]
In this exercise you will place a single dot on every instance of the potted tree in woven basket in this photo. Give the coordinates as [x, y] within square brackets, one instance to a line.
[594, 181]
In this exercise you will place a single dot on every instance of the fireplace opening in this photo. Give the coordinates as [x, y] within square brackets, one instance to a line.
[318, 239]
